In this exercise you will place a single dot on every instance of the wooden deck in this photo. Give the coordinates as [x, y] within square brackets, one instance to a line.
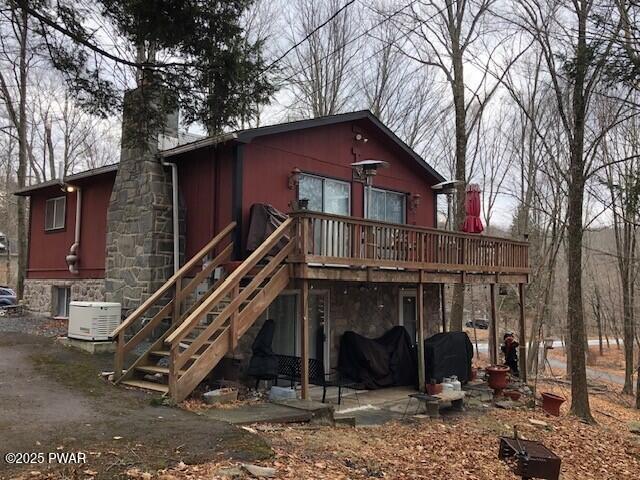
[306, 246]
[333, 247]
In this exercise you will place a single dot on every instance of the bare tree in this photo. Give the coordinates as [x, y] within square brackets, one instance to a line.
[495, 158]
[403, 95]
[318, 71]
[623, 182]
[565, 30]
[539, 188]
[16, 59]
[447, 35]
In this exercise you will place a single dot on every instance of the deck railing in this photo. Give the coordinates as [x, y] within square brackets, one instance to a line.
[337, 240]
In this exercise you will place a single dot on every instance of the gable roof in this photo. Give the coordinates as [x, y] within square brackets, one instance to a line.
[246, 136]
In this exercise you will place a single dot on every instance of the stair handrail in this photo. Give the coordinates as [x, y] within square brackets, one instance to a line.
[181, 357]
[158, 294]
[232, 280]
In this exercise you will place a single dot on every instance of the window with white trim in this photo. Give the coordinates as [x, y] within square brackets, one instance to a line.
[386, 206]
[63, 298]
[54, 213]
[325, 194]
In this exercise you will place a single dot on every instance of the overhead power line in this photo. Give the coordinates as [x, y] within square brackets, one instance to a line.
[406, 34]
[385, 19]
[310, 34]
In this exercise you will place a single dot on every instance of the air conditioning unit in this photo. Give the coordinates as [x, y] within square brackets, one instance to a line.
[93, 320]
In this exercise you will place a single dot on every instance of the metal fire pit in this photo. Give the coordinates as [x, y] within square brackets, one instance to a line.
[529, 459]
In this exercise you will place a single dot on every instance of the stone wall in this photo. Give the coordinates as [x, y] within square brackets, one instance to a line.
[40, 295]
[372, 309]
[139, 220]
[368, 309]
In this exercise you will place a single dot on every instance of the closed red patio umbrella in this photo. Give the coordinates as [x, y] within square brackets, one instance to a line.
[472, 222]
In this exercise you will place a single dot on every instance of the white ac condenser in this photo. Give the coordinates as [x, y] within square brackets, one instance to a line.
[93, 320]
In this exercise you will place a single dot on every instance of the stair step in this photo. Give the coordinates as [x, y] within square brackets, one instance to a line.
[156, 387]
[166, 353]
[160, 353]
[153, 369]
[189, 341]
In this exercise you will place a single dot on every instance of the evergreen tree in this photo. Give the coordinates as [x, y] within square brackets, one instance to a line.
[195, 52]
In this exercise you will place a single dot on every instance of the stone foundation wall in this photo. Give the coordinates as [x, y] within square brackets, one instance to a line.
[40, 295]
[367, 309]
[372, 309]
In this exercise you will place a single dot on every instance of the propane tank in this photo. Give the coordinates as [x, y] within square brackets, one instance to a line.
[447, 386]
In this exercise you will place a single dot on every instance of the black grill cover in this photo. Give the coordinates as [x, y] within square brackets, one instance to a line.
[387, 361]
[263, 364]
[448, 354]
[264, 220]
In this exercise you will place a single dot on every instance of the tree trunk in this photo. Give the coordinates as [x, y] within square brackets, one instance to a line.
[575, 313]
[22, 154]
[599, 326]
[536, 329]
[627, 309]
[457, 303]
[638, 389]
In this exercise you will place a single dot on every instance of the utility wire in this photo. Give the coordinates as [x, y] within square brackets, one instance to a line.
[362, 62]
[387, 18]
[309, 35]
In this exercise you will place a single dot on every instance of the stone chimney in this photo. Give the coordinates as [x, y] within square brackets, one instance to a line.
[139, 254]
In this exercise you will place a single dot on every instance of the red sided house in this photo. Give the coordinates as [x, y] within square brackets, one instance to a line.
[347, 256]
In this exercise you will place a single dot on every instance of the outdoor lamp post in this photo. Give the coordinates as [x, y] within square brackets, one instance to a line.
[449, 189]
[366, 170]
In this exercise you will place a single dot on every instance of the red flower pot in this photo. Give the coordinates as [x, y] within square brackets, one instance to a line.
[497, 378]
[434, 388]
[551, 403]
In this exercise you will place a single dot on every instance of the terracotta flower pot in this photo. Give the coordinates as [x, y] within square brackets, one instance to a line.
[551, 403]
[497, 378]
[434, 388]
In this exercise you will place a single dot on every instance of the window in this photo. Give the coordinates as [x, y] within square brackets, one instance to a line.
[284, 312]
[63, 297]
[325, 194]
[54, 213]
[386, 206]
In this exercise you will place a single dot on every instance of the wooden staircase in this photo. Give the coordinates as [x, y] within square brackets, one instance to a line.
[201, 335]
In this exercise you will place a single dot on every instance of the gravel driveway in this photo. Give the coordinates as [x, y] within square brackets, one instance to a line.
[53, 399]
[33, 325]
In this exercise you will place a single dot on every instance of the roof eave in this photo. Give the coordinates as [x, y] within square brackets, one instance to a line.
[198, 144]
[26, 191]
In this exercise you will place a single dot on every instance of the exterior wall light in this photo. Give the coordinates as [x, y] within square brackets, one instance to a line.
[294, 179]
[414, 201]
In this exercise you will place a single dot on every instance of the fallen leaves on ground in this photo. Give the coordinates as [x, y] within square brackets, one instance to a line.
[458, 448]
[463, 447]
[197, 405]
[611, 362]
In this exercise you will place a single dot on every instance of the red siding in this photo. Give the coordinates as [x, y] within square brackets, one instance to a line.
[205, 180]
[329, 151]
[47, 250]
[206, 191]
[197, 181]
